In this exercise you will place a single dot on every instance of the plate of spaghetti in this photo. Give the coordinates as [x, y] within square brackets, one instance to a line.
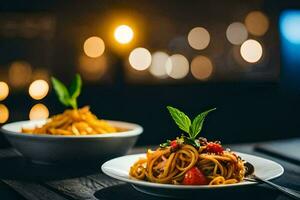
[188, 163]
[74, 135]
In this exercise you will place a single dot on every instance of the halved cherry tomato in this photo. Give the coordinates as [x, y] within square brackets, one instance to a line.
[214, 148]
[194, 177]
[174, 144]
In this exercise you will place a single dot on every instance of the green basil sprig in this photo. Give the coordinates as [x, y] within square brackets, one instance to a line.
[65, 96]
[184, 123]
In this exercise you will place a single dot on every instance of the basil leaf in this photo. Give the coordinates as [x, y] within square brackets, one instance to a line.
[181, 119]
[65, 96]
[197, 143]
[73, 103]
[197, 124]
[61, 91]
[75, 87]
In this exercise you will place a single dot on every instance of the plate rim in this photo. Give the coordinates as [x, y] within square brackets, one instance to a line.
[186, 187]
[135, 131]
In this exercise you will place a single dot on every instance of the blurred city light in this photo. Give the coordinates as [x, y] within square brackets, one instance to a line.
[257, 23]
[94, 47]
[92, 69]
[158, 65]
[38, 89]
[4, 90]
[236, 33]
[177, 66]
[140, 58]
[38, 111]
[251, 51]
[4, 113]
[290, 26]
[19, 74]
[201, 67]
[198, 38]
[123, 34]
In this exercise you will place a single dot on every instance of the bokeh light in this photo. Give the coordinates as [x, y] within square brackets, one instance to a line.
[38, 111]
[290, 25]
[201, 67]
[94, 47]
[4, 90]
[123, 34]
[251, 51]
[140, 58]
[38, 89]
[177, 66]
[19, 74]
[4, 113]
[158, 65]
[236, 33]
[257, 23]
[92, 69]
[198, 38]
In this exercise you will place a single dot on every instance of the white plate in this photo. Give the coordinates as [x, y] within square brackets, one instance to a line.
[118, 168]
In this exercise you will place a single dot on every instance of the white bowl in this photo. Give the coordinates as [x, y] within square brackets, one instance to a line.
[44, 148]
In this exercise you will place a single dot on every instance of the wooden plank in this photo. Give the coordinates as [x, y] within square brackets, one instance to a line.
[105, 180]
[33, 191]
[77, 188]
[27, 189]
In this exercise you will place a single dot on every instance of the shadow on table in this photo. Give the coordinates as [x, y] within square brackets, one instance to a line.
[19, 168]
[126, 191]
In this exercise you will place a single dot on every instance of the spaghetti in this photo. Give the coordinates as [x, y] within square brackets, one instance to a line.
[171, 165]
[74, 122]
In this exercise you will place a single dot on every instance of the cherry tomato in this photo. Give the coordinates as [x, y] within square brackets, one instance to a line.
[214, 148]
[194, 177]
[174, 144]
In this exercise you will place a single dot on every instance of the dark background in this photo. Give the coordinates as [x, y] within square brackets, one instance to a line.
[256, 105]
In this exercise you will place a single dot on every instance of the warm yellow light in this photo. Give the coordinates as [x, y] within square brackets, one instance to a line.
[19, 74]
[123, 34]
[177, 66]
[158, 64]
[198, 38]
[4, 90]
[140, 58]
[39, 111]
[94, 47]
[251, 51]
[257, 23]
[38, 89]
[92, 69]
[4, 113]
[236, 33]
[201, 67]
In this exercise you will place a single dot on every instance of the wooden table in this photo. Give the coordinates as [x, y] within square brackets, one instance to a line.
[21, 179]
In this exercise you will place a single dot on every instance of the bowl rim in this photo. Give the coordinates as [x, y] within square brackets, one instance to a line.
[134, 131]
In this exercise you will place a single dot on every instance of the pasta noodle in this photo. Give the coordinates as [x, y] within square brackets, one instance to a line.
[169, 165]
[74, 122]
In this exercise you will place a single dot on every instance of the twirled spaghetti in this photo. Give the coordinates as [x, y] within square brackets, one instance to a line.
[170, 165]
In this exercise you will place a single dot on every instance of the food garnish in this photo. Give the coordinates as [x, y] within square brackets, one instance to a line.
[68, 97]
[189, 127]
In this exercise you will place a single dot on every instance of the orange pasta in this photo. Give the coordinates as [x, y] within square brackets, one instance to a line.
[74, 122]
[170, 165]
